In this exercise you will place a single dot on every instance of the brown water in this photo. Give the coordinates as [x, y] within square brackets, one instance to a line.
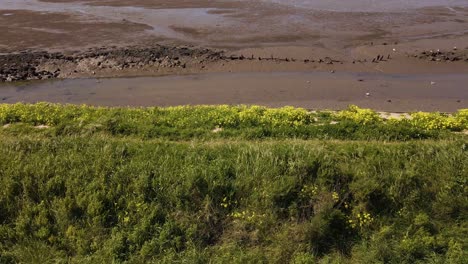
[395, 93]
[369, 5]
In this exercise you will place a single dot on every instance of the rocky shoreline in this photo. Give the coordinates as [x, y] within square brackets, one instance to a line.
[40, 65]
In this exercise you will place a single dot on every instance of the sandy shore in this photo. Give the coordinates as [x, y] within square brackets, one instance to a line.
[115, 38]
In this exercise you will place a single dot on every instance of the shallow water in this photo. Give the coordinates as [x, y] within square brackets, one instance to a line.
[369, 5]
[161, 20]
[336, 5]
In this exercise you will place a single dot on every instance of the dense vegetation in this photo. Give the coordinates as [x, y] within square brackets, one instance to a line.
[99, 185]
[242, 122]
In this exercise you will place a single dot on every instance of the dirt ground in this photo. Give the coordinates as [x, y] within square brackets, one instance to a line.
[311, 90]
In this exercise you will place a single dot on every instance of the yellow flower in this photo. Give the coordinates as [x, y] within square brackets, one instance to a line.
[335, 196]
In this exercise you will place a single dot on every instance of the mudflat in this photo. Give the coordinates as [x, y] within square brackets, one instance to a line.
[62, 39]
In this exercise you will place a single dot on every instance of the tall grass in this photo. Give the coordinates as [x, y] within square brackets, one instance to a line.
[103, 199]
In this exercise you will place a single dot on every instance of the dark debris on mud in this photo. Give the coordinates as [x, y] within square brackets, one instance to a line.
[39, 65]
[442, 56]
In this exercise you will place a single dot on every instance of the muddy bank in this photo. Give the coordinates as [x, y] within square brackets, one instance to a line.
[312, 90]
[280, 35]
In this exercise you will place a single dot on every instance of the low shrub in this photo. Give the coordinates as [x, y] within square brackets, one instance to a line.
[245, 122]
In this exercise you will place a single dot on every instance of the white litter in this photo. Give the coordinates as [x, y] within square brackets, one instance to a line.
[217, 130]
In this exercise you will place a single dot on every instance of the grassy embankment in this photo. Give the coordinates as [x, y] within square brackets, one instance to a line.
[231, 185]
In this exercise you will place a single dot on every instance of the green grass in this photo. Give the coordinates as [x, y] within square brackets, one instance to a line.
[91, 195]
[240, 122]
